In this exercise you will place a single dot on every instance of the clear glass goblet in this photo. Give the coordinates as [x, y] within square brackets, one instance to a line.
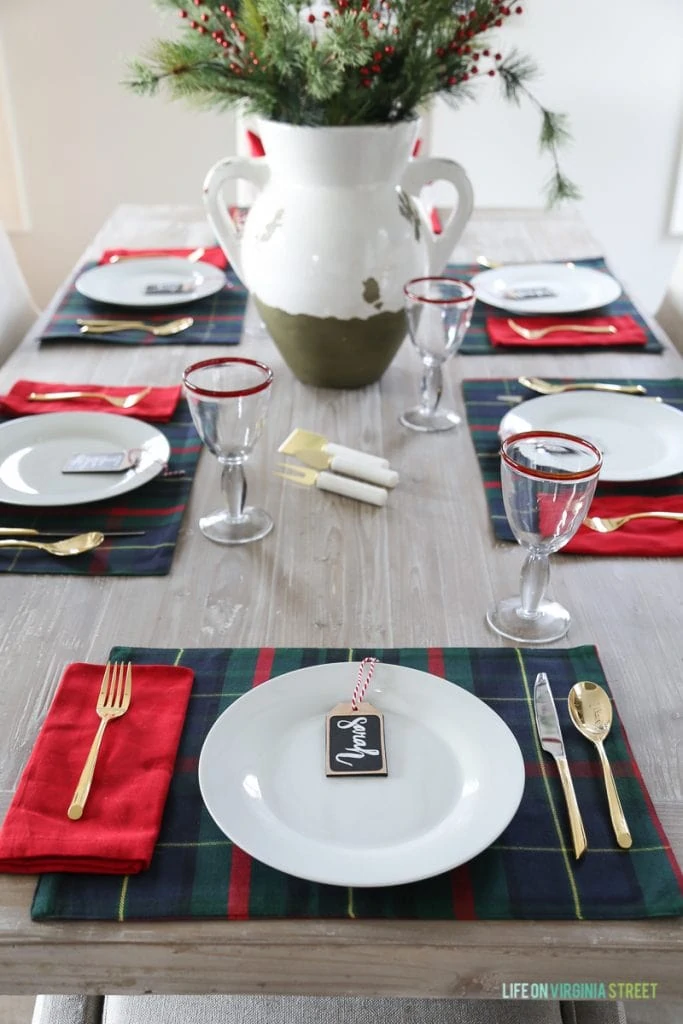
[548, 481]
[228, 399]
[438, 311]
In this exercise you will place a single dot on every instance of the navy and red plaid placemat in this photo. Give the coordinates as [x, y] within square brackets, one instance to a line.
[477, 343]
[528, 873]
[485, 404]
[157, 508]
[217, 318]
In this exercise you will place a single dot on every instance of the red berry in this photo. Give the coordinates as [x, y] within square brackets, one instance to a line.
[311, 18]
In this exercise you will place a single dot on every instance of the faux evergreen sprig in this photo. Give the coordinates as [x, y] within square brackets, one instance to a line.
[342, 62]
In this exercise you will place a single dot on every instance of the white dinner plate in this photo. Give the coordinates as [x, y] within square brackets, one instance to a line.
[640, 439]
[455, 778]
[125, 283]
[575, 288]
[33, 450]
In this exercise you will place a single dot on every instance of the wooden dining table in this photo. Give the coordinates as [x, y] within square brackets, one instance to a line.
[336, 573]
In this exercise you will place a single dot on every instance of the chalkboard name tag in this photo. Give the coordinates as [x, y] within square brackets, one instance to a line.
[355, 741]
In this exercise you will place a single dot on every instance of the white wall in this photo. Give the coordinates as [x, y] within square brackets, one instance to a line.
[85, 143]
[616, 68]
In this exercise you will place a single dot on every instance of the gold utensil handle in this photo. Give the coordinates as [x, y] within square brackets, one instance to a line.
[616, 811]
[19, 531]
[124, 325]
[21, 544]
[83, 788]
[623, 389]
[678, 516]
[57, 396]
[575, 819]
[587, 329]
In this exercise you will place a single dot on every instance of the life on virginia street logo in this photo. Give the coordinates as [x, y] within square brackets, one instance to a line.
[579, 990]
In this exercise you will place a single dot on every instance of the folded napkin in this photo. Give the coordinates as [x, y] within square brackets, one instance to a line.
[213, 254]
[158, 406]
[122, 817]
[645, 537]
[628, 332]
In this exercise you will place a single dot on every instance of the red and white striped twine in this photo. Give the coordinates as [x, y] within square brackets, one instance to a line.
[365, 669]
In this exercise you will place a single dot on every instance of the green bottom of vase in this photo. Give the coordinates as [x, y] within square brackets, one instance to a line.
[332, 353]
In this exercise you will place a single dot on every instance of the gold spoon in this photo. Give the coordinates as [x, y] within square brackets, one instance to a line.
[160, 330]
[544, 387]
[71, 546]
[590, 710]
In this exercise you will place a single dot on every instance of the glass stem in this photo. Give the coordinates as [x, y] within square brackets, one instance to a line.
[431, 387]
[534, 580]
[234, 486]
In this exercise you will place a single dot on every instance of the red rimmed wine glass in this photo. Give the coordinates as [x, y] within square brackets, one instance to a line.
[548, 480]
[438, 311]
[228, 399]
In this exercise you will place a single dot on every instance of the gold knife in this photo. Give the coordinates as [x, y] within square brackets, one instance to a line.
[550, 735]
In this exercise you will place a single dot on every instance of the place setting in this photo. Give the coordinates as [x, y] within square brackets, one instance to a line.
[550, 306]
[637, 427]
[148, 296]
[295, 781]
[94, 479]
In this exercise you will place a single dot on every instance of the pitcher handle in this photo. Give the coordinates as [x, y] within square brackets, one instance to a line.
[253, 170]
[421, 172]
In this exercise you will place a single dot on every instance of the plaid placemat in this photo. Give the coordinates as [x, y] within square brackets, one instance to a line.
[217, 318]
[528, 873]
[157, 508]
[485, 409]
[476, 341]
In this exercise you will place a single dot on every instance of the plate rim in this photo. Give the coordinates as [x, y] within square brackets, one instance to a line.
[328, 876]
[132, 484]
[519, 306]
[596, 396]
[210, 272]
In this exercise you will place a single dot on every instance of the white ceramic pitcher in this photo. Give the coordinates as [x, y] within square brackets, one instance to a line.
[333, 235]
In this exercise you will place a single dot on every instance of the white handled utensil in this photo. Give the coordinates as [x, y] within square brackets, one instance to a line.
[343, 485]
[349, 465]
[299, 439]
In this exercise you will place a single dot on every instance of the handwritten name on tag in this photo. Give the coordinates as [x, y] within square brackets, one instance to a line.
[170, 288]
[100, 462]
[355, 741]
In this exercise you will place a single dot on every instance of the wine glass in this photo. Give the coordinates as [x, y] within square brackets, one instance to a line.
[548, 481]
[228, 399]
[438, 311]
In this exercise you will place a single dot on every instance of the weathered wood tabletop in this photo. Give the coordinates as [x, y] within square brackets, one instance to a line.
[419, 572]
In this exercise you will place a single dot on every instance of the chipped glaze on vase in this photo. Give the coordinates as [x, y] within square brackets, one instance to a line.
[333, 235]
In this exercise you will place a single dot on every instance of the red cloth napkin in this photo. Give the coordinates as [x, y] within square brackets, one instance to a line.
[656, 538]
[628, 332]
[157, 406]
[122, 816]
[214, 254]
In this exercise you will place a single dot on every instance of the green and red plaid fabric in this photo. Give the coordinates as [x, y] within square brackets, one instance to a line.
[157, 508]
[476, 341]
[529, 872]
[217, 318]
[485, 409]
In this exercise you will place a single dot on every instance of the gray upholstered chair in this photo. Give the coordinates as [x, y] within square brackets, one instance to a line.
[670, 313]
[17, 309]
[315, 1010]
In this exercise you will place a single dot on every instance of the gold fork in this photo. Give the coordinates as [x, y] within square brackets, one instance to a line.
[604, 524]
[545, 387]
[121, 402]
[160, 330]
[113, 701]
[536, 333]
